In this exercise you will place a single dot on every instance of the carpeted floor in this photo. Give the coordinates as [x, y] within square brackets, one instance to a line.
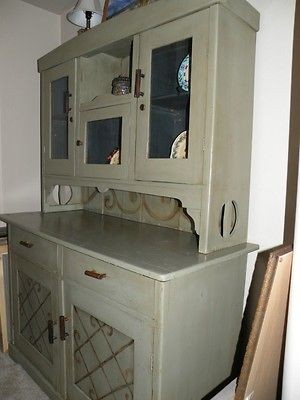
[15, 383]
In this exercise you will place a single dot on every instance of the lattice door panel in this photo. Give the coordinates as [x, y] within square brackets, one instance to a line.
[103, 359]
[34, 302]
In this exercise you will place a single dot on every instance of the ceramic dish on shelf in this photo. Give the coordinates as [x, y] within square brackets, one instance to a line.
[114, 157]
[178, 149]
[183, 75]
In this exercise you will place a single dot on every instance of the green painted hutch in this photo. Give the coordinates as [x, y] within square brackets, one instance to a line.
[129, 284]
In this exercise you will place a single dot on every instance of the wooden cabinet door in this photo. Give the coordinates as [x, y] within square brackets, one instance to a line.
[171, 105]
[59, 118]
[109, 350]
[35, 313]
[104, 139]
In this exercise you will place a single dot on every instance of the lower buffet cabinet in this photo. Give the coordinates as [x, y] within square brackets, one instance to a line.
[88, 330]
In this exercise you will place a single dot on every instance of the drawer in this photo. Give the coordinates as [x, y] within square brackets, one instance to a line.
[33, 248]
[124, 287]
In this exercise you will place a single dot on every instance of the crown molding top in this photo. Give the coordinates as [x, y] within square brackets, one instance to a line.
[139, 20]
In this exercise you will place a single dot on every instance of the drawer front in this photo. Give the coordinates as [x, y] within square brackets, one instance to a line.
[127, 288]
[33, 248]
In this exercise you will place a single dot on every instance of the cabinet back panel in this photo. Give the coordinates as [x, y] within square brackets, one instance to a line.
[154, 210]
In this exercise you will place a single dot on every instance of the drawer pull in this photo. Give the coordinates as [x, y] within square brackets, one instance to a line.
[94, 274]
[26, 244]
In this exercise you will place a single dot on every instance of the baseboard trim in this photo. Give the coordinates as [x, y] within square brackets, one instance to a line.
[19, 358]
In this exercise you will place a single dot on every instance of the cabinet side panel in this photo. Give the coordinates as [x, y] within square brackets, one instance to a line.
[228, 130]
[201, 322]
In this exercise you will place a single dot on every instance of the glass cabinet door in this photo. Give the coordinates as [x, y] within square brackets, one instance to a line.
[103, 145]
[108, 350]
[171, 96]
[35, 315]
[59, 119]
[170, 100]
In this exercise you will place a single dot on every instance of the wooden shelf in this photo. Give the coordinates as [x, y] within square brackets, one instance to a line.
[174, 101]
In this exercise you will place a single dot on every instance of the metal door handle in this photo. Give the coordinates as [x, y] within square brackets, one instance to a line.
[26, 244]
[95, 275]
[137, 88]
[62, 328]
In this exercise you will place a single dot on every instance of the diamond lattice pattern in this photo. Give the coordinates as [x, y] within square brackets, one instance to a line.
[35, 311]
[103, 359]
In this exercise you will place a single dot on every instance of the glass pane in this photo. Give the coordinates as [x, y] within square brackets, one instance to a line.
[104, 141]
[103, 359]
[59, 119]
[35, 311]
[170, 100]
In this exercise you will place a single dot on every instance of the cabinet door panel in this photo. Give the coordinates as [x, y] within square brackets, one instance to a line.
[104, 135]
[171, 113]
[108, 350]
[35, 296]
[58, 115]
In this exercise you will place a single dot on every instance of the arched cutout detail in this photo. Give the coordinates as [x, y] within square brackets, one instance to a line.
[62, 194]
[229, 219]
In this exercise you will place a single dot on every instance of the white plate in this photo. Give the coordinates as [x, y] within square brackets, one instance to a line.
[178, 149]
[114, 157]
[183, 75]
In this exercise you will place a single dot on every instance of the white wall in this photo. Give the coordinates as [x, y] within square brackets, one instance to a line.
[68, 30]
[271, 121]
[26, 33]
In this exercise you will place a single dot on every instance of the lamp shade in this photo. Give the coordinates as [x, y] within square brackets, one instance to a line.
[77, 15]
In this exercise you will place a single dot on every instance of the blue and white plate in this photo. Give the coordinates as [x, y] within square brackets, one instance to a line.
[117, 6]
[178, 149]
[183, 75]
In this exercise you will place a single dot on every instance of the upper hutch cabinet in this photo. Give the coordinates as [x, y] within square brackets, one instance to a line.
[58, 116]
[183, 127]
[171, 112]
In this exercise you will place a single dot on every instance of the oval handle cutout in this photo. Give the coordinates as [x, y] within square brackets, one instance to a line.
[228, 219]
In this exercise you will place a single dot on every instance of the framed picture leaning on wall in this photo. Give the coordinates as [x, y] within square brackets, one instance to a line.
[116, 7]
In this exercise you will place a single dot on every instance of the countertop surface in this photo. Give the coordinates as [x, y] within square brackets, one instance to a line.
[156, 252]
